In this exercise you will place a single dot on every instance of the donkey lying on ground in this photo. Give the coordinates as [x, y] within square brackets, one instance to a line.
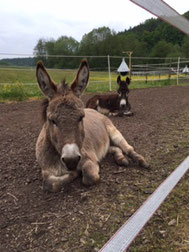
[74, 140]
[113, 104]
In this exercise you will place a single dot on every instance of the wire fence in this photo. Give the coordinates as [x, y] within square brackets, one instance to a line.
[21, 68]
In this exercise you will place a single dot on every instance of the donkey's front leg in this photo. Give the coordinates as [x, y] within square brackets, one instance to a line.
[119, 140]
[118, 155]
[90, 172]
[52, 183]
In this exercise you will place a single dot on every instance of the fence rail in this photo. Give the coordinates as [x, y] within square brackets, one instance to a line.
[143, 68]
[122, 239]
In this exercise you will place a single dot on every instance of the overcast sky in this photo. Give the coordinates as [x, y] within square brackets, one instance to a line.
[23, 23]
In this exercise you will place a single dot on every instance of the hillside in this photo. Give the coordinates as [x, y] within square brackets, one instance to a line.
[26, 62]
[157, 30]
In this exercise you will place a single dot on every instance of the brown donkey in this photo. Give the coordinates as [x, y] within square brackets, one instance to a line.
[113, 104]
[74, 140]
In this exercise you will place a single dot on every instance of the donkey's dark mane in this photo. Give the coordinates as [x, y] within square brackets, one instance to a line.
[63, 88]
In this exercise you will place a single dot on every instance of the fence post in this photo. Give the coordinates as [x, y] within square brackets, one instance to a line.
[109, 72]
[146, 77]
[178, 66]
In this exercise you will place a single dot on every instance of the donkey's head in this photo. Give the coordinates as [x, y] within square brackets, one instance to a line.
[63, 114]
[123, 92]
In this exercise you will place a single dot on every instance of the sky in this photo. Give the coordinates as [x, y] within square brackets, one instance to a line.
[23, 23]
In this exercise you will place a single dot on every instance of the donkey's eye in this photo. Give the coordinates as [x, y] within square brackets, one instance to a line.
[80, 118]
[53, 122]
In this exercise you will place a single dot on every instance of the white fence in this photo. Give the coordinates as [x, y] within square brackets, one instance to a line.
[122, 239]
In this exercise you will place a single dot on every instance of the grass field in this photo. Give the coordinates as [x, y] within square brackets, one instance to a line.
[20, 84]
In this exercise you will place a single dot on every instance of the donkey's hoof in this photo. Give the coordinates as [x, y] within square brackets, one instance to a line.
[90, 180]
[48, 186]
[144, 164]
[122, 162]
[120, 114]
[128, 113]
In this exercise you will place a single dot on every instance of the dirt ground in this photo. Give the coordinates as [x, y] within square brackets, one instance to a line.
[83, 219]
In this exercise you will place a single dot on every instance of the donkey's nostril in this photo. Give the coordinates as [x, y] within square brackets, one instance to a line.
[71, 162]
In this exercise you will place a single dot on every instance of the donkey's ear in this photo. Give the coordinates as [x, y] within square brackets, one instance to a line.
[119, 80]
[128, 80]
[81, 81]
[45, 83]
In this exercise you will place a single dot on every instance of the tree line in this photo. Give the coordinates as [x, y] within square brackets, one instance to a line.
[153, 38]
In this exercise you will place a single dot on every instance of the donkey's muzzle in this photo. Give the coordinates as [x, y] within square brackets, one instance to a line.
[70, 156]
[71, 163]
[123, 106]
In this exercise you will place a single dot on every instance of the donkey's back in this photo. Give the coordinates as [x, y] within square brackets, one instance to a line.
[97, 140]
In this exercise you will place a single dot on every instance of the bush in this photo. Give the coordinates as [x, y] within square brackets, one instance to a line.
[12, 92]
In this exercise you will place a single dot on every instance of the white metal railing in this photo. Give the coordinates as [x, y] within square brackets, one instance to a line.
[122, 239]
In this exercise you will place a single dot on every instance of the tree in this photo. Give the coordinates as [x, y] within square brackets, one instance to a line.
[185, 47]
[62, 46]
[162, 49]
[40, 48]
[94, 43]
[65, 46]
[40, 51]
[90, 42]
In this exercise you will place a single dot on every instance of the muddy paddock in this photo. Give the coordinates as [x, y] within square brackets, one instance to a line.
[83, 219]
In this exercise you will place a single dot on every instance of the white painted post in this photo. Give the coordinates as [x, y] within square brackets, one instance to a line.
[109, 72]
[178, 66]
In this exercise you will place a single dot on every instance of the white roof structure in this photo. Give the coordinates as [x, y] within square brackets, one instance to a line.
[123, 67]
[185, 70]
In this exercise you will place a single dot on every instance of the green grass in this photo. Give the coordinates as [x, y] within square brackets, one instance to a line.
[28, 75]
[20, 84]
